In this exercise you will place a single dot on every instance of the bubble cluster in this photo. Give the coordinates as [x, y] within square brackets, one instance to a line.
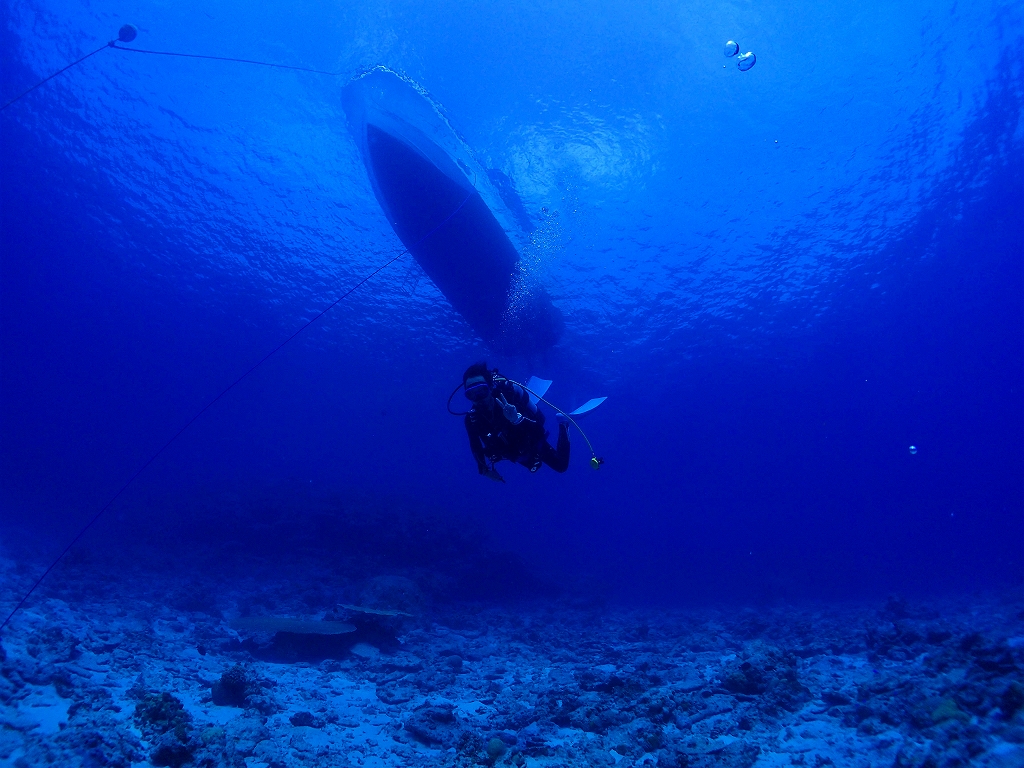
[744, 60]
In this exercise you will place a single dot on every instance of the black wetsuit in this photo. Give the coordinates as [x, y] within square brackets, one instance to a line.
[493, 437]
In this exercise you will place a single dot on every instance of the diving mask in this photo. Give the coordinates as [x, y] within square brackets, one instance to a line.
[477, 389]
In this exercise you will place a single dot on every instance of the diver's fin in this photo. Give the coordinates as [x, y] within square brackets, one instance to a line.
[588, 406]
[538, 386]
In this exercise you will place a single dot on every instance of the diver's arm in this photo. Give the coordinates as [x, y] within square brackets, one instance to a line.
[532, 415]
[516, 406]
[526, 407]
[476, 446]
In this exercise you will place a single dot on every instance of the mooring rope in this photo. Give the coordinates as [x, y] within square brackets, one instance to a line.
[128, 32]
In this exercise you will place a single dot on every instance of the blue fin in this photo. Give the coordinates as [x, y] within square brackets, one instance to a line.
[588, 406]
[540, 386]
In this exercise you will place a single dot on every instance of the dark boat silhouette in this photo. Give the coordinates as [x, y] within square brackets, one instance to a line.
[444, 208]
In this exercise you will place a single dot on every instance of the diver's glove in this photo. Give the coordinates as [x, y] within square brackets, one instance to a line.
[509, 409]
[562, 419]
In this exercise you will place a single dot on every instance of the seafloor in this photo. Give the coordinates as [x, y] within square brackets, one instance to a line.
[125, 666]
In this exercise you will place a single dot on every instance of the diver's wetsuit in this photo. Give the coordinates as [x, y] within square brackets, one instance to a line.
[492, 436]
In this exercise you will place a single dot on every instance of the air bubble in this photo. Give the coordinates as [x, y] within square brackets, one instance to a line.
[746, 61]
[732, 48]
[913, 450]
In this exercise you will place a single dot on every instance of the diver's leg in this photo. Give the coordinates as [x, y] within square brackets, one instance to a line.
[557, 458]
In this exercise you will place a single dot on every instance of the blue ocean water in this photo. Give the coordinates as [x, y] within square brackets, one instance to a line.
[801, 288]
[781, 278]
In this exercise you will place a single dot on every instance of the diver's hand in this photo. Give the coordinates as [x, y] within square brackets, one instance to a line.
[493, 474]
[509, 410]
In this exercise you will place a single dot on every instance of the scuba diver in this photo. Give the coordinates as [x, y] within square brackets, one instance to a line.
[504, 423]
